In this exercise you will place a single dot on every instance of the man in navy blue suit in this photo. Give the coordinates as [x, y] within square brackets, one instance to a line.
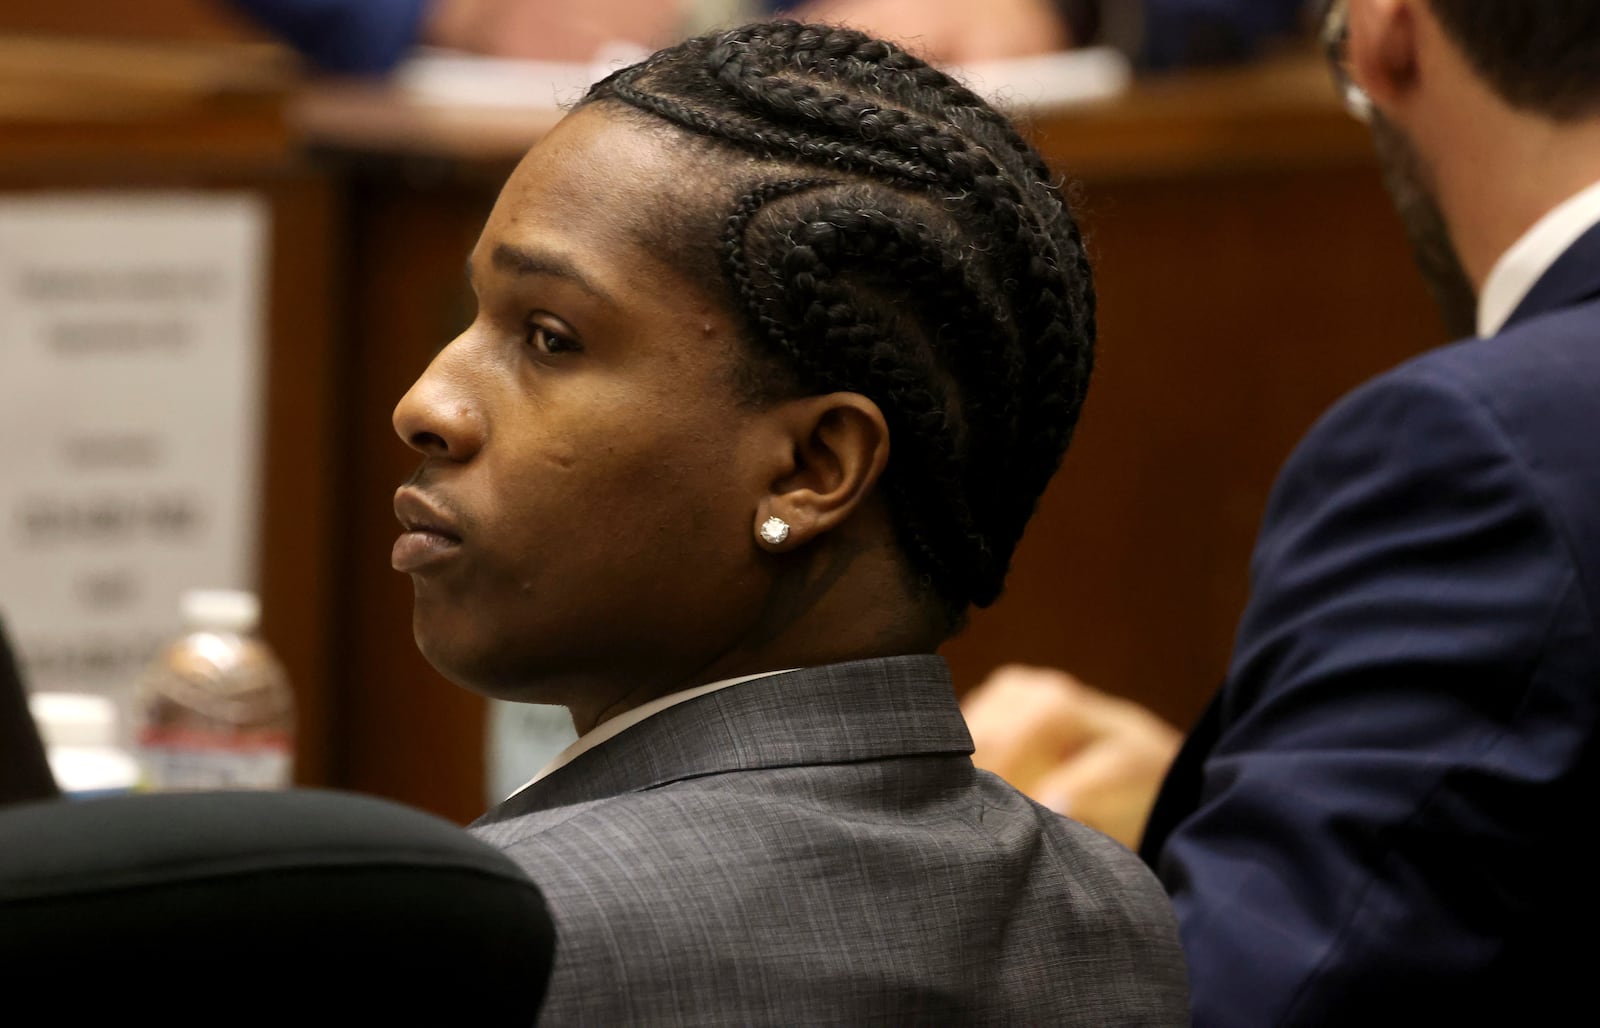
[1384, 816]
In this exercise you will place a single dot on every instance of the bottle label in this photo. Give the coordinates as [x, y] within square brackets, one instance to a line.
[176, 759]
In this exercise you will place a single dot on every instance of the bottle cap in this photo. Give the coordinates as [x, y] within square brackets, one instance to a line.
[221, 610]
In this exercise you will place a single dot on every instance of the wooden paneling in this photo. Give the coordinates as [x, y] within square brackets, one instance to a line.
[1234, 310]
[407, 733]
[1250, 271]
[300, 519]
[209, 21]
[89, 108]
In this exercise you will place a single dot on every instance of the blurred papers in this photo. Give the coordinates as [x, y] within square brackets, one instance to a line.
[1049, 80]
[450, 79]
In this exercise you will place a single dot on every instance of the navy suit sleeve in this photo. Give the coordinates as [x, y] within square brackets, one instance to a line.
[352, 36]
[1412, 687]
[1188, 32]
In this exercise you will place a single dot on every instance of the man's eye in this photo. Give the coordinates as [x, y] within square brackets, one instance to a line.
[547, 340]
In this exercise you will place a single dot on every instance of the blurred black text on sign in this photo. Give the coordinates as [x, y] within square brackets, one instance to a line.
[132, 386]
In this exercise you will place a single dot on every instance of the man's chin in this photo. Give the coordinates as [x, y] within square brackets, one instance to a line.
[462, 662]
[450, 649]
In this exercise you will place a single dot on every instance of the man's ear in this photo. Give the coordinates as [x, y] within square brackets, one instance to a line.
[838, 446]
[1382, 49]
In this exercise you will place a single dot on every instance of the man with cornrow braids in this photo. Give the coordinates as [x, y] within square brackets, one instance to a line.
[781, 335]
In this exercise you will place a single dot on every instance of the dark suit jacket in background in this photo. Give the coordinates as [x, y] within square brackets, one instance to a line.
[1386, 813]
[817, 848]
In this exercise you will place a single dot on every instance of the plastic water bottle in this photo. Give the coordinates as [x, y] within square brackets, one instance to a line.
[214, 710]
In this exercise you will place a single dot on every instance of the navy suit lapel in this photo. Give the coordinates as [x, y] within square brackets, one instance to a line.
[1572, 279]
[840, 713]
[1180, 791]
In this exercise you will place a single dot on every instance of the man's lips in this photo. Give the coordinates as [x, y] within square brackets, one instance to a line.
[430, 536]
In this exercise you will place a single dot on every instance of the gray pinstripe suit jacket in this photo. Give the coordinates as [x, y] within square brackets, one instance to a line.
[817, 848]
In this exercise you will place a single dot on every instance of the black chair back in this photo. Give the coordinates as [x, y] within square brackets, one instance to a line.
[299, 907]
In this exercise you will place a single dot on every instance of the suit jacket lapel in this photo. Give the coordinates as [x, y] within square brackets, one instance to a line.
[1181, 789]
[839, 713]
[1572, 279]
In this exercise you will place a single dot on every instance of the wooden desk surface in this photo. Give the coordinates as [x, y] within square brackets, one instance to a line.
[70, 105]
[1282, 111]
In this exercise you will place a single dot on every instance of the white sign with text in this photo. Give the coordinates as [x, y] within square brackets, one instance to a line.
[132, 388]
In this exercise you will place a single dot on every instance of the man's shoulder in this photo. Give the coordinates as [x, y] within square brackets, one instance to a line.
[1523, 398]
[915, 876]
[755, 819]
[1531, 369]
[924, 809]
[659, 828]
[1522, 402]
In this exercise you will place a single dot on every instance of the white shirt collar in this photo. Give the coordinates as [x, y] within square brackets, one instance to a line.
[607, 730]
[1519, 269]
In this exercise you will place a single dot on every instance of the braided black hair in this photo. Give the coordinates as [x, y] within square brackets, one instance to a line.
[892, 235]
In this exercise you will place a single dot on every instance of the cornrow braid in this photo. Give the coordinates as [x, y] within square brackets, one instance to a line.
[891, 234]
[832, 281]
[899, 76]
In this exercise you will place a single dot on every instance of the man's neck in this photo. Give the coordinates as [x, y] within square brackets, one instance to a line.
[848, 597]
[1508, 174]
[1535, 252]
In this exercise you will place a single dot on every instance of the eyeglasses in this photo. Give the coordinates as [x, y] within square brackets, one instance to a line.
[1335, 45]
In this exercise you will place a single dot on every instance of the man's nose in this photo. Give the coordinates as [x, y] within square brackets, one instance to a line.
[441, 415]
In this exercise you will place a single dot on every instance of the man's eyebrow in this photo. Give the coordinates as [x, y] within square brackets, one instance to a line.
[520, 261]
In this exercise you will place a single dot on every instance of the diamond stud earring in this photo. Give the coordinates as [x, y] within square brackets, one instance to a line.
[774, 531]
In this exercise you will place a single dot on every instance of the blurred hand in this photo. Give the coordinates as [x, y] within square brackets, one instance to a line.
[1073, 748]
[952, 31]
[554, 30]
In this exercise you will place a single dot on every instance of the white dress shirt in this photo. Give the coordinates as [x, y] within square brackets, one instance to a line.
[1519, 269]
[610, 729]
